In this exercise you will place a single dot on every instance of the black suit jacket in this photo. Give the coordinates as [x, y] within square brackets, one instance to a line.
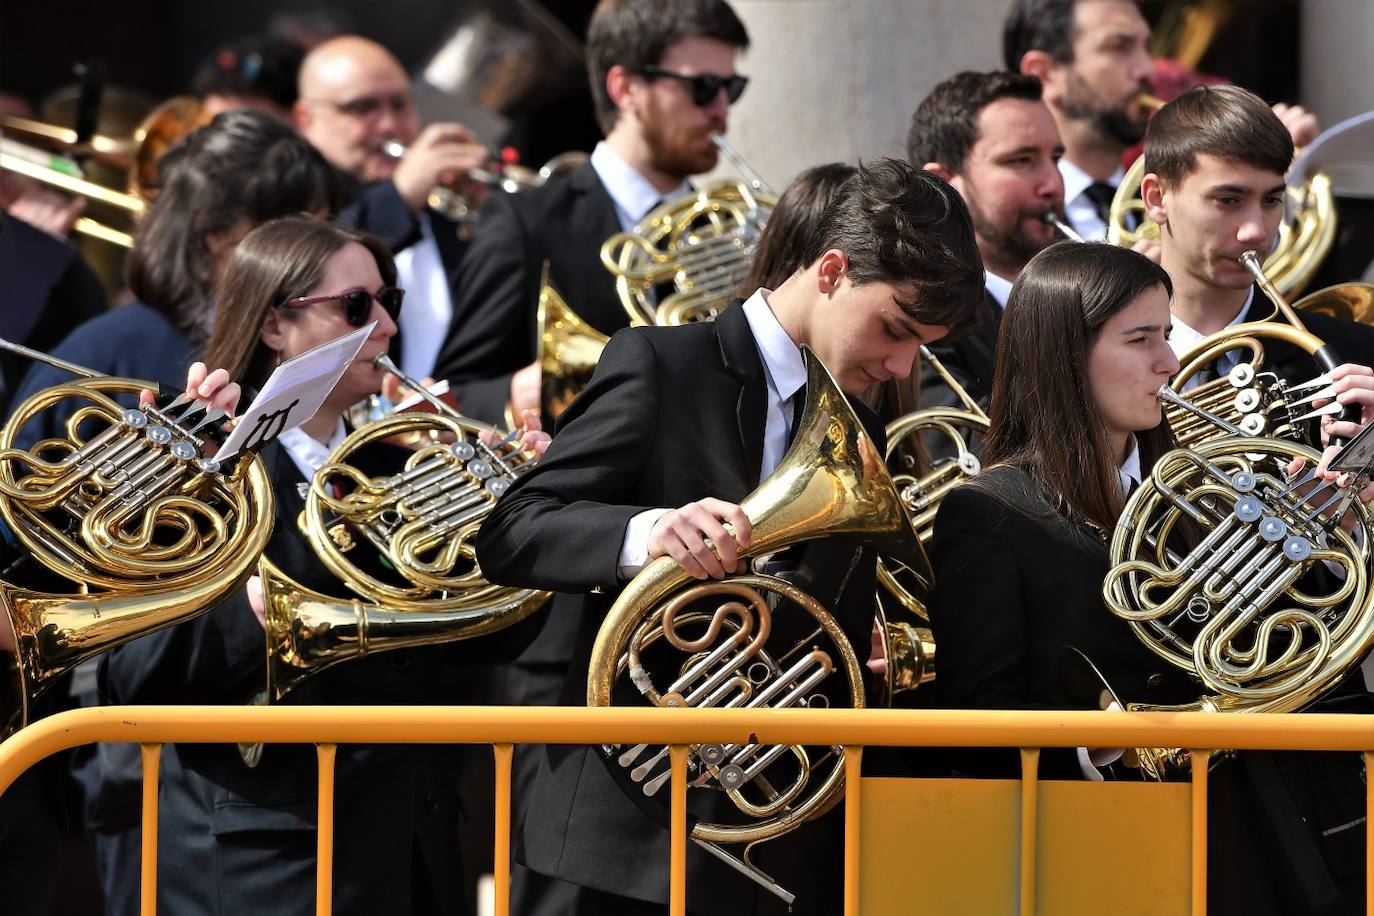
[635, 440]
[494, 329]
[971, 357]
[397, 808]
[1016, 582]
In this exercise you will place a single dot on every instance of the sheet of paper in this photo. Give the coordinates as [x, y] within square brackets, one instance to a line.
[1358, 454]
[293, 393]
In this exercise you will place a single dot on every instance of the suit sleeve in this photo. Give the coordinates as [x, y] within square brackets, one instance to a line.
[562, 525]
[492, 331]
[982, 625]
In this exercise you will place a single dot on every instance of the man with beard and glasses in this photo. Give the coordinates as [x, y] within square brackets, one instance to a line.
[663, 78]
[992, 137]
[1094, 60]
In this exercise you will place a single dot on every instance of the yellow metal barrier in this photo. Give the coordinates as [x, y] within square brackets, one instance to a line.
[503, 727]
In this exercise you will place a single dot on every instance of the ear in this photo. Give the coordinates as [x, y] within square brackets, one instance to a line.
[1152, 193]
[936, 168]
[1037, 64]
[272, 334]
[830, 268]
[619, 88]
[301, 115]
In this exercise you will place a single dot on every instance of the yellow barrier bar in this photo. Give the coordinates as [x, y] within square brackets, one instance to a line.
[1201, 761]
[324, 832]
[853, 770]
[1030, 825]
[677, 865]
[501, 845]
[151, 755]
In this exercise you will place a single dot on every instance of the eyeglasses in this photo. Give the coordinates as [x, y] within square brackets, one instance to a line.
[370, 106]
[357, 303]
[705, 86]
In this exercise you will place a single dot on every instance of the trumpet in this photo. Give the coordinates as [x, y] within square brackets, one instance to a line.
[150, 532]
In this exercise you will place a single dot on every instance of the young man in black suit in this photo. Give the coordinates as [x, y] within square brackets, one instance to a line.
[994, 140]
[1215, 159]
[663, 79]
[676, 427]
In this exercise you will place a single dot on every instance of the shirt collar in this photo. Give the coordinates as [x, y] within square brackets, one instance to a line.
[1129, 472]
[998, 288]
[782, 359]
[630, 191]
[1076, 181]
[1183, 338]
[307, 452]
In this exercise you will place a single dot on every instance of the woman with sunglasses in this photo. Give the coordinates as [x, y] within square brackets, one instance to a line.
[245, 837]
[1020, 562]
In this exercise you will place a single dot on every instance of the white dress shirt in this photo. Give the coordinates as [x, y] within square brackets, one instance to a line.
[1078, 207]
[998, 288]
[630, 191]
[428, 310]
[309, 454]
[1183, 338]
[785, 374]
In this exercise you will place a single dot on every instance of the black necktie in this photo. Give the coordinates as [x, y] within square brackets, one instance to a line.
[1101, 194]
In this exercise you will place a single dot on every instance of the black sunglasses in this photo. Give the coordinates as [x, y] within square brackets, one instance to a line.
[357, 303]
[705, 86]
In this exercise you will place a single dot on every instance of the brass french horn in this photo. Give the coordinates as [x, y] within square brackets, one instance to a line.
[702, 242]
[568, 351]
[124, 507]
[1233, 609]
[422, 520]
[1305, 239]
[756, 640]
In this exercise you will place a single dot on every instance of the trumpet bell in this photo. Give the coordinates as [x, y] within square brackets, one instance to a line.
[1347, 301]
[568, 352]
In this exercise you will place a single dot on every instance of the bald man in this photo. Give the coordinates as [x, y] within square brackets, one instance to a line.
[354, 97]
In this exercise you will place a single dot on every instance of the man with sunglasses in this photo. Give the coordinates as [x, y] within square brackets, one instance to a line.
[354, 98]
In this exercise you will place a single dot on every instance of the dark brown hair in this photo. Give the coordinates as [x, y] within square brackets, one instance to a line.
[784, 240]
[1044, 418]
[945, 125]
[1039, 25]
[279, 260]
[245, 165]
[634, 34]
[1224, 121]
[898, 224]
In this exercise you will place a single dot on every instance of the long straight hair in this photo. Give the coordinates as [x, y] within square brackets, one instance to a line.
[279, 260]
[1044, 418]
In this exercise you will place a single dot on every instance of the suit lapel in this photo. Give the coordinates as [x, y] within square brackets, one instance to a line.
[741, 357]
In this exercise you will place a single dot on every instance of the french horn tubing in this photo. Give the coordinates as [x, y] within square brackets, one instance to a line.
[123, 506]
[756, 640]
[702, 243]
[1235, 608]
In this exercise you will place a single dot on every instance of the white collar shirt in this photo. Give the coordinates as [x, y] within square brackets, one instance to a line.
[997, 287]
[785, 372]
[428, 310]
[1078, 206]
[1183, 338]
[630, 191]
[307, 453]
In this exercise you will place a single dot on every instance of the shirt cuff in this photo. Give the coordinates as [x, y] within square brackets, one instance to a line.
[634, 549]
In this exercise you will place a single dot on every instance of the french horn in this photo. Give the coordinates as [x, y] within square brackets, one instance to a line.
[702, 243]
[422, 520]
[756, 640]
[567, 352]
[1305, 237]
[1233, 606]
[125, 508]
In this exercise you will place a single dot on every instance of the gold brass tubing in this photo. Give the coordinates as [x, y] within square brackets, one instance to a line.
[1152, 102]
[73, 368]
[87, 189]
[64, 136]
[1062, 225]
[98, 230]
[1251, 261]
[954, 385]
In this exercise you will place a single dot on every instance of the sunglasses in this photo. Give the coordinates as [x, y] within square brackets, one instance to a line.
[357, 303]
[369, 106]
[705, 86]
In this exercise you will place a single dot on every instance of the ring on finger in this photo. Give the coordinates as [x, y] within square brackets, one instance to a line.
[711, 546]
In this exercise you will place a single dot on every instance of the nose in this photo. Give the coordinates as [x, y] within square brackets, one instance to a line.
[1167, 364]
[386, 325]
[899, 363]
[719, 108]
[1050, 184]
[1142, 68]
[1252, 230]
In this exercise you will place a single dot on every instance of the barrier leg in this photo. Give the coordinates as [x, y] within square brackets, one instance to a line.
[1030, 826]
[1368, 836]
[151, 755]
[1200, 761]
[501, 845]
[677, 870]
[853, 767]
[324, 832]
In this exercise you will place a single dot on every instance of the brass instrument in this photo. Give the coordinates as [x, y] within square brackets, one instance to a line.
[508, 177]
[1305, 239]
[149, 532]
[422, 521]
[713, 638]
[138, 156]
[702, 243]
[568, 351]
[1232, 608]
[1058, 222]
